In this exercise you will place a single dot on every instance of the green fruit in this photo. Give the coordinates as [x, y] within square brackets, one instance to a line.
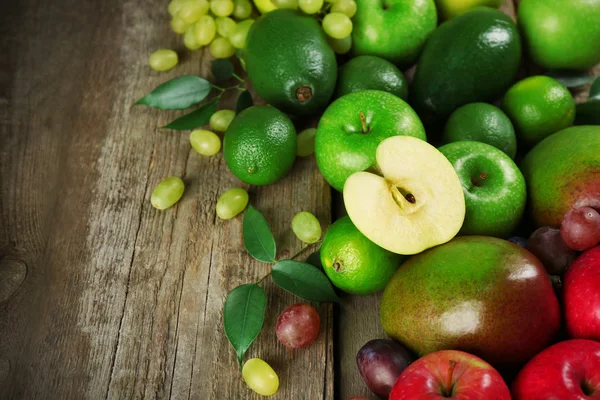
[538, 106]
[260, 145]
[353, 126]
[290, 62]
[306, 227]
[370, 72]
[354, 263]
[482, 122]
[478, 294]
[451, 8]
[493, 185]
[563, 170]
[394, 29]
[561, 34]
[473, 57]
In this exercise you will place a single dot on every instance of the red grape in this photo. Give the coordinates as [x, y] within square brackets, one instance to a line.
[298, 326]
[547, 245]
[380, 363]
[580, 228]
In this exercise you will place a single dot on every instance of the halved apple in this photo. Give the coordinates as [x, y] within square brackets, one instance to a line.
[413, 199]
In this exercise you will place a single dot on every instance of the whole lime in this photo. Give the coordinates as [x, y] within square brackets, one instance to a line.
[538, 106]
[260, 145]
[482, 122]
[370, 72]
[354, 263]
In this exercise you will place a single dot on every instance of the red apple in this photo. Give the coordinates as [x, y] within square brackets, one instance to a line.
[582, 296]
[568, 370]
[450, 374]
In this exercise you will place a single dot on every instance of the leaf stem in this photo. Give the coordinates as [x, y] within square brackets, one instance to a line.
[303, 249]
[263, 278]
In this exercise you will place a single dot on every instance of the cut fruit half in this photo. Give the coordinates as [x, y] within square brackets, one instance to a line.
[415, 201]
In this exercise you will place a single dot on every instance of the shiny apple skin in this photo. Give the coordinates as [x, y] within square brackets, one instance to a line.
[581, 294]
[472, 379]
[559, 372]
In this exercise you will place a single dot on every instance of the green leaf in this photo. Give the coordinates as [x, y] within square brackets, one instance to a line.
[178, 93]
[258, 239]
[193, 120]
[588, 113]
[595, 90]
[303, 280]
[315, 259]
[243, 316]
[570, 79]
[244, 101]
[221, 69]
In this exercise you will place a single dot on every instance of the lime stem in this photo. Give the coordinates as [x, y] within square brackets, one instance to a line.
[449, 378]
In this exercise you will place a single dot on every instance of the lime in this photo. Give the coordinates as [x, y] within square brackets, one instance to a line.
[354, 263]
[482, 122]
[370, 72]
[260, 145]
[538, 106]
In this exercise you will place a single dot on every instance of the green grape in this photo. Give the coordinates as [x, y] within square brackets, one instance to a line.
[347, 7]
[306, 142]
[310, 6]
[238, 37]
[337, 25]
[221, 48]
[174, 7]
[291, 4]
[242, 9]
[206, 30]
[221, 8]
[307, 227]
[163, 60]
[205, 142]
[167, 193]
[225, 26]
[260, 377]
[231, 203]
[191, 11]
[189, 39]
[220, 120]
[340, 46]
[178, 25]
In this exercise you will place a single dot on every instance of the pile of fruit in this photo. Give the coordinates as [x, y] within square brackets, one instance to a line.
[472, 194]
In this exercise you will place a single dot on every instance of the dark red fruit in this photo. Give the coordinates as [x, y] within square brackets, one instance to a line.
[380, 363]
[298, 326]
[547, 245]
[580, 228]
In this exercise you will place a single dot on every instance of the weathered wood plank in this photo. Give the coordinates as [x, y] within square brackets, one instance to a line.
[120, 300]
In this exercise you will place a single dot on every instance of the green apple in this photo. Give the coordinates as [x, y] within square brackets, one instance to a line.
[414, 202]
[393, 29]
[353, 126]
[494, 188]
[451, 8]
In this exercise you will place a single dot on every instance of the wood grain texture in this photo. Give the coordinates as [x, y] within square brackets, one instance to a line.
[103, 296]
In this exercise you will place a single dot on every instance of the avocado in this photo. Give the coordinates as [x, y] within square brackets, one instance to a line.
[561, 34]
[473, 57]
[290, 63]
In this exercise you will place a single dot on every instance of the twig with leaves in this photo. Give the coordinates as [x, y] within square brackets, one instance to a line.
[188, 90]
[244, 311]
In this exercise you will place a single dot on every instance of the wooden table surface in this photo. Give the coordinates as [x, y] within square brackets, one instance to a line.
[101, 295]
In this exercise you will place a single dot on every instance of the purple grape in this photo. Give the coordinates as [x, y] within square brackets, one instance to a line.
[580, 228]
[380, 363]
[547, 245]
